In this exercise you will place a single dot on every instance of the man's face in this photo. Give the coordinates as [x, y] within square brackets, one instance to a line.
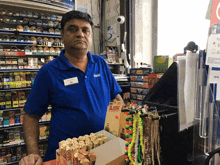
[77, 35]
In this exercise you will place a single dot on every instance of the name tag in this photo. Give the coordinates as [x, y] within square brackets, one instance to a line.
[71, 81]
[96, 75]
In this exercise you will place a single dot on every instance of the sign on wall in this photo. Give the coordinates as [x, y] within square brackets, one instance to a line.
[215, 16]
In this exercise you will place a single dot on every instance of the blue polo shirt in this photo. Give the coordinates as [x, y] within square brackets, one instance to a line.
[77, 109]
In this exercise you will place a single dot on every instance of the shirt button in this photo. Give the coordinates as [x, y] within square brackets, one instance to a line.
[85, 76]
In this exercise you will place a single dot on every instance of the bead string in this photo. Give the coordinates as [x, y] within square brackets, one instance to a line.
[140, 122]
[132, 141]
[127, 137]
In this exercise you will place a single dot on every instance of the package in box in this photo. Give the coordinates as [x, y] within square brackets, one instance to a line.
[113, 117]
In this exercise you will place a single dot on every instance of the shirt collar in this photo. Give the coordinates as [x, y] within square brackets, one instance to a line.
[64, 64]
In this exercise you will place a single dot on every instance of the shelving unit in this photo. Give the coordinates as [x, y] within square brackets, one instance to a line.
[9, 28]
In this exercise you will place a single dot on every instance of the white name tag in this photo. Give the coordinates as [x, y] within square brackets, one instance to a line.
[71, 81]
[96, 75]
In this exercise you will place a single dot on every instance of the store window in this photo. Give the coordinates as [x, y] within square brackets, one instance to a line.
[180, 22]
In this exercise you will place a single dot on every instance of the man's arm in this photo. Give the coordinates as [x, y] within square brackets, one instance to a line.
[31, 132]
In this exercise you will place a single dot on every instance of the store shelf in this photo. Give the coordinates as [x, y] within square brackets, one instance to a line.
[15, 43]
[34, 5]
[14, 89]
[11, 163]
[42, 53]
[20, 70]
[40, 34]
[12, 109]
[115, 64]
[19, 143]
[7, 31]
[30, 33]
[21, 125]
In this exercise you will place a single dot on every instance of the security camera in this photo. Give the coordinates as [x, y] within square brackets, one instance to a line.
[120, 19]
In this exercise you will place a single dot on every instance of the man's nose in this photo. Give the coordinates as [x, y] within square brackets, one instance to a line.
[79, 33]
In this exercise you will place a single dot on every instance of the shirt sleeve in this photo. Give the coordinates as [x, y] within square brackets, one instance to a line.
[115, 87]
[37, 101]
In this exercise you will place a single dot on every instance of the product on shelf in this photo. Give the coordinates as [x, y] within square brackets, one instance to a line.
[26, 28]
[11, 118]
[27, 39]
[33, 29]
[15, 13]
[57, 50]
[5, 38]
[33, 39]
[14, 49]
[13, 38]
[5, 119]
[9, 12]
[1, 48]
[1, 123]
[55, 24]
[17, 117]
[42, 16]
[19, 28]
[35, 15]
[25, 20]
[39, 39]
[51, 40]
[14, 98]
[46, 49]
[32, 22]
[2, 11]
[52, 50]
[42, 134]
[53, 17]
[22, 13]
[33, 49]
[57, 31]
[29, 14]
[22, 116]
[51, 30]
[50, 24]
[39, 30]
[40, 49]
[39, 23]
[45, 39]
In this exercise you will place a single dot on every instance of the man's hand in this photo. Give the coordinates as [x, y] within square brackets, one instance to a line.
[32, 159]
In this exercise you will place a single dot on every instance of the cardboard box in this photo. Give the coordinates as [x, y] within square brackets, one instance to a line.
[111, 153]
[162, 63]
[122, 130]
[113, 117]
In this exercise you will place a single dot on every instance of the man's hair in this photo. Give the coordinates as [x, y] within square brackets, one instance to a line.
[74, 14]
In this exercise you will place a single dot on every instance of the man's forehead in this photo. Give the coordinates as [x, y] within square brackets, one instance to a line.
[77, 22]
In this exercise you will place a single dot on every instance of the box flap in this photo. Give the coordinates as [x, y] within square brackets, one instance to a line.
[109, 151]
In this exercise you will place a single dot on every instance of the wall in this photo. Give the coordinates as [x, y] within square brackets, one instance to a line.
[112, 10]
[93, 8]
[146, 21]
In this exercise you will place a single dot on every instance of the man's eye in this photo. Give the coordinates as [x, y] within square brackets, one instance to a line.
[85, 30]
[72, 29]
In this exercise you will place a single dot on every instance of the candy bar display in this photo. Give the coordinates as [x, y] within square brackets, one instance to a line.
[86, 142]
[139, 84]
[74, 156]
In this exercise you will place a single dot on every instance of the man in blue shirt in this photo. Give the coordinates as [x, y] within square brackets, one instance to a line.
[77, 84]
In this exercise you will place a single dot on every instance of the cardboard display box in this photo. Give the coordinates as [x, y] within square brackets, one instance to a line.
[111, 153]
[112, 118]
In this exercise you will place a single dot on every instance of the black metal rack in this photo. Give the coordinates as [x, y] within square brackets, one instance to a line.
[176, 146]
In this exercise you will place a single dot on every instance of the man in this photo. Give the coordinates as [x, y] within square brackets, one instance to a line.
[77, 84]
